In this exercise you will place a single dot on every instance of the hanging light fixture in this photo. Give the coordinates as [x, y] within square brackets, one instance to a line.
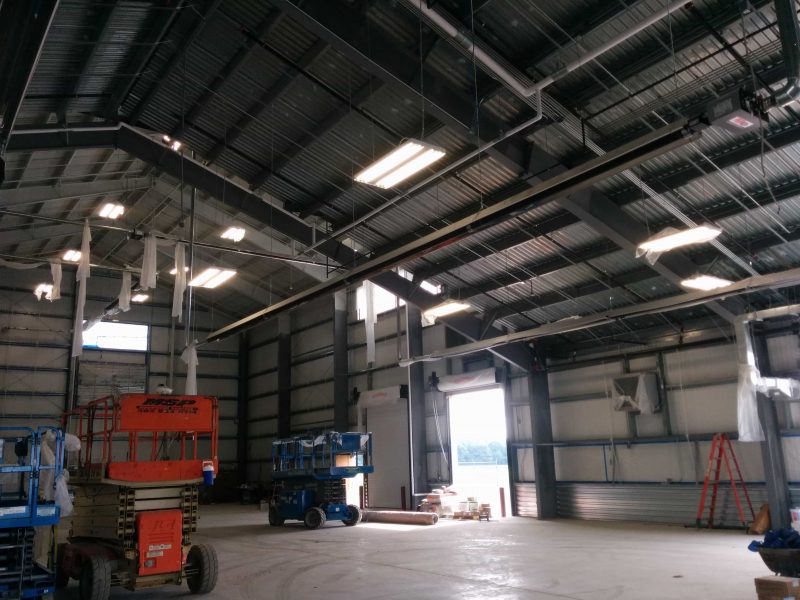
[448, 308]
[44, 291]
[140, 297]
[705, 282]
[174, 270]
[664, 242]
[235, 234]
[212, 277]
[72, 255]
[111, 210]
[174, 144]
[401, 163]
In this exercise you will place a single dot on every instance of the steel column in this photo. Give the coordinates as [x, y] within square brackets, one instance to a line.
[543, 455]
[284, 375]
[341, 392]
[772, 447]
[774, 464]
[243, 407]
[416, 404]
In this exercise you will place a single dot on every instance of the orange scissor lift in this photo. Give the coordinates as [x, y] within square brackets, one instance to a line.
[143, 458]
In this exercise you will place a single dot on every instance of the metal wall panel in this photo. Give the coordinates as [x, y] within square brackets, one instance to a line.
[525, 500]
[676, 504]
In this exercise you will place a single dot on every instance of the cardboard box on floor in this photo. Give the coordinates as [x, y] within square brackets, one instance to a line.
[773, 587]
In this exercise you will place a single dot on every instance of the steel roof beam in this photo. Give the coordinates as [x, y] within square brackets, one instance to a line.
[346, 31]
[71, 191]
[152, 151]
[154, 34]
[266, 27]
[656, 50]
[673, 178]
[331, 120]
[520, 275]
[255, 110]
[23, 29]
[609, 220]
[99, 26]
[155, 88]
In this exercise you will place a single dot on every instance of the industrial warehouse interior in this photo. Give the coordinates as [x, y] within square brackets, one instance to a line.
[362, 299]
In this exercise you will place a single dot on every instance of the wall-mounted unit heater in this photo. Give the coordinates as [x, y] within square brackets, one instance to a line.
[637, 393]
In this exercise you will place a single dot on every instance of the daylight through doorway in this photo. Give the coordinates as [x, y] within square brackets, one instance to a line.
[478, 437]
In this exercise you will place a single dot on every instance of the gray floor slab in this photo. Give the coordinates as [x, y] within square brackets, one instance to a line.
[512, 559]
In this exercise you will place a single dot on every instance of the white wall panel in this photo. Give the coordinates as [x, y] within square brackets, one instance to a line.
[584, 380]
[706, 409]
[587, 419]
[701, 365]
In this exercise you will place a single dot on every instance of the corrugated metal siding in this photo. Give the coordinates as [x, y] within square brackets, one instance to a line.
[525, 500]
[675, 504]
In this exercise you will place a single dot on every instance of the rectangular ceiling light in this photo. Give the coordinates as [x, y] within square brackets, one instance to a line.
[705, 282]
[111, 210]
[401, 163]
[695, 235]
[212, 277]
[72, 255]
[448, 308]
[139, 297]
[235, 234]
[174, 270]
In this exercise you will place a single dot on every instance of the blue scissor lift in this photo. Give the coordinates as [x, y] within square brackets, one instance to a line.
[309, 473]
[21, 510]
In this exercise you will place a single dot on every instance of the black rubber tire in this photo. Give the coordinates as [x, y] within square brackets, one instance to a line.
[354, 515]
[314, 518]
[62, 578]
[95, 581]
[272, 517]
[203, 558]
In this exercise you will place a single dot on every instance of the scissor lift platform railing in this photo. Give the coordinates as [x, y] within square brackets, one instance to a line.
[22, 508]
[317, 456]
[142, 460]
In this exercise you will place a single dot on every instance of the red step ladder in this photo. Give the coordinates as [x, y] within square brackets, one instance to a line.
[722, 451]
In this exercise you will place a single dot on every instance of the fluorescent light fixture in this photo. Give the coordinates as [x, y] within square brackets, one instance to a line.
[448, 308]
[212, 277]
[140, 297]
[174, 144]
[44, 291]
[695, 235]
[72, 255]
[174, 270]
[401, 163]
[235, 234]
[111, 210]
[705, 282]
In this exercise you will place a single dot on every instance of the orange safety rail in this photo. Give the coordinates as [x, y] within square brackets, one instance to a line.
[129, 419]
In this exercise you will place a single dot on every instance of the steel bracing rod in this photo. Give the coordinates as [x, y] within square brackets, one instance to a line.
[134, 233]
[782, 279]
[569, 182]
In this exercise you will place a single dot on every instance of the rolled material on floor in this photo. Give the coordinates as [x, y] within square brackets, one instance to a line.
[400, 517]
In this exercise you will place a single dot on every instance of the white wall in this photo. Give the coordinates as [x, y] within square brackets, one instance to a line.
[701, 394]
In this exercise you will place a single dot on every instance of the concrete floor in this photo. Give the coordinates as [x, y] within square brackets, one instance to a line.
[512, 559]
